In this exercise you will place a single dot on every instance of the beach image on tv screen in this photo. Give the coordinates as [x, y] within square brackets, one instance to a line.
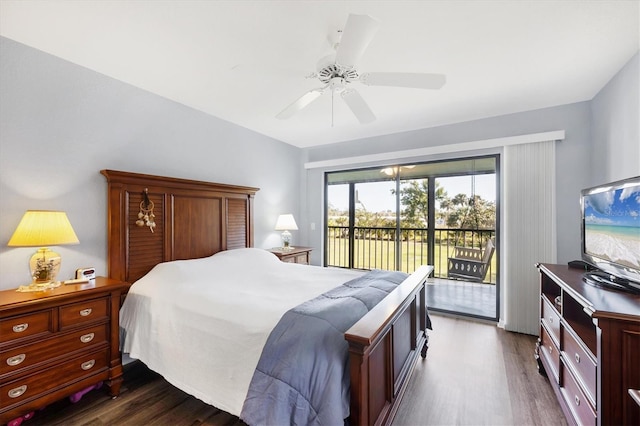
[612, 226]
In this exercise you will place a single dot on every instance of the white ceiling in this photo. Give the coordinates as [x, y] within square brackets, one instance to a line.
[244, 61]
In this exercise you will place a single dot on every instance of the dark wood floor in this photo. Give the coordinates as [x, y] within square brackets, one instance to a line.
[478, 374]
[474, 374]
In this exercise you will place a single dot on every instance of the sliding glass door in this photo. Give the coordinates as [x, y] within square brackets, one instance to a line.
[404, 216]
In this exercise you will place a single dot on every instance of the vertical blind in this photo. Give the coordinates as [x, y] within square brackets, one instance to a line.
[530, 233]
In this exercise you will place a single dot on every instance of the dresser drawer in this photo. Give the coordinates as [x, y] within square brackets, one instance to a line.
[551, 319]
[18, 327]
[39, 352]
[576, 399]
[551, 353]
[87, 311]
[28, 387]
[296, 258]
[581, 363]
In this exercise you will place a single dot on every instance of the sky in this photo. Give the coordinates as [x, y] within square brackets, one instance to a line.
[621, 208]
[377, 196]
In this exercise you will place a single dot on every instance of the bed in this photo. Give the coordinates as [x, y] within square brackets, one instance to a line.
[199, 224]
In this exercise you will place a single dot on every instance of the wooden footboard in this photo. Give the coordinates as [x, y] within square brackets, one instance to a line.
[383, 349]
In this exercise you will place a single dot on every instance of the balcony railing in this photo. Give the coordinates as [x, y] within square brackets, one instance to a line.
[375, 248]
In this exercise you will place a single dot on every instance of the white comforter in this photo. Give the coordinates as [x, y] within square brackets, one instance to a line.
[202, 323]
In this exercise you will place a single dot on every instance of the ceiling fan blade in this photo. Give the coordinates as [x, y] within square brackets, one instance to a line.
[300, 103]
[358, 106]
[356, 36]
[404, 79]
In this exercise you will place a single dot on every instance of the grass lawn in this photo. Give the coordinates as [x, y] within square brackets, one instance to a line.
[379, 254]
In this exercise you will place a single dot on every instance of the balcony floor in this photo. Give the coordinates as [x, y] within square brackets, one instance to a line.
[464, 298]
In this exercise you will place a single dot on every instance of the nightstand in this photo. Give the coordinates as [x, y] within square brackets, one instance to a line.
[57, 342]
[294, 255]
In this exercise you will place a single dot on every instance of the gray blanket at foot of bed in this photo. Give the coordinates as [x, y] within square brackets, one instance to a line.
[302, 377]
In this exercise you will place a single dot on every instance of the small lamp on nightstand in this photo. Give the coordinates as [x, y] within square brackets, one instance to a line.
[40, 228]
[286, 223]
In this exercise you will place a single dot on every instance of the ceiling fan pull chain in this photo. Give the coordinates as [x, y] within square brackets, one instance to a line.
[332, 107]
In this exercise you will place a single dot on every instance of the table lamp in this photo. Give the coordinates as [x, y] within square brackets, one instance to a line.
[286, 223]
[39, 228]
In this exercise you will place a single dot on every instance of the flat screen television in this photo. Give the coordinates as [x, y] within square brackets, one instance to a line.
[611, 234]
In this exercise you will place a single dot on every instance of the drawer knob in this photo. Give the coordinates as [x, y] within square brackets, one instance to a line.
[86, 338]
[551, 320]
[20, 327]
[16, 392]
[577, 358]
[550, 349]
[85, 312]
[15, 360]
[88, 365]
[577, 400]
[558, 302]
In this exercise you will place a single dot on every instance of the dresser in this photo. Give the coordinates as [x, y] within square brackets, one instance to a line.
[57, 342]
[294, 255]
[589, 347]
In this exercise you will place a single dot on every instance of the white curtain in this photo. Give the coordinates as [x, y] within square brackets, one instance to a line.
[529, 229]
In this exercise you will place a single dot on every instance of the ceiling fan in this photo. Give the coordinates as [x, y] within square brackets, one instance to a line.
[337, 71]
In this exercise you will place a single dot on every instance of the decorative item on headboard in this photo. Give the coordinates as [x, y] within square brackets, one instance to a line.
[194, 219]
[146, 216]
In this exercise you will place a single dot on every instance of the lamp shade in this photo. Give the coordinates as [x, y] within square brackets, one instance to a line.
[40, 228]
[43, 228]
[286, 222]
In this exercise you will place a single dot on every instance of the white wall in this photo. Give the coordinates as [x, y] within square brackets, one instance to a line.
[615, 127]
[60, 124]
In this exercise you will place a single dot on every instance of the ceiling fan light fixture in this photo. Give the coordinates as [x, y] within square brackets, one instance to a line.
[389, 171]
[338, 84]
[332, 71]
[392, 171]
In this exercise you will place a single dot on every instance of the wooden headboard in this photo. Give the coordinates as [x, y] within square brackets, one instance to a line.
[193, 219]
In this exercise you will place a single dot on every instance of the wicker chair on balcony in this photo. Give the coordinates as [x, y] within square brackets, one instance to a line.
[471, 264]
